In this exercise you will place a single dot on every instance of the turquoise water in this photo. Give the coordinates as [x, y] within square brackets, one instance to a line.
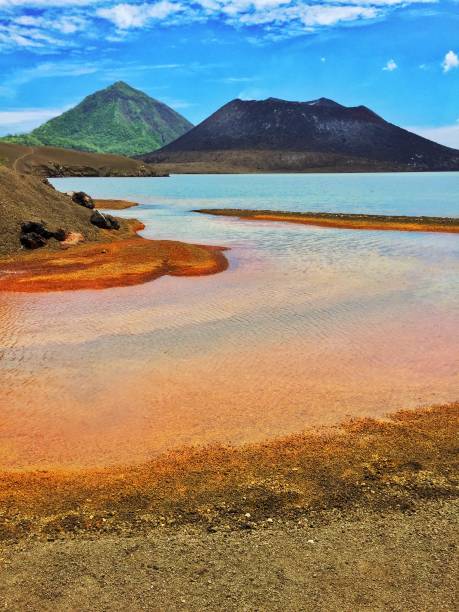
[307, 326]
[396, 193]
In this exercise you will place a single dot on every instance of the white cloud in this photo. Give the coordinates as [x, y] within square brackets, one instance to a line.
[234, 80]
[53, 22]
[450, 61]
[390, 66]
[65, 25]
[45, 3]
[447, 135]
[24, 120]
[126, 16]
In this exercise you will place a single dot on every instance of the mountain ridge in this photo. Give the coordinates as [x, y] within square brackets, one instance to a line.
[119, 120]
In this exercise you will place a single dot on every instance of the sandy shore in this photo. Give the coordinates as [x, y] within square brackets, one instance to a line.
[120, 258]
[360, 517]
[345, 221]
[366, 463]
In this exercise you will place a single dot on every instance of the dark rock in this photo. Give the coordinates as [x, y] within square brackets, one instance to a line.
[104, 221]
[60, 235]
[32, 240]
[32, 227]
[82, 198]
[35, 235]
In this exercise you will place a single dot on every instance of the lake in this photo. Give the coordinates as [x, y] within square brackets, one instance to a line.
[307, 327]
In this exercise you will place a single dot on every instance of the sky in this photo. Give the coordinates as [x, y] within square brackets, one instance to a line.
[398, 57]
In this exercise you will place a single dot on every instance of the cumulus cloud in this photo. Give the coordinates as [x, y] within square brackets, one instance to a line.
[450, 61]
[39, 24]
[125, 16]
[45, 3]
[390, 66]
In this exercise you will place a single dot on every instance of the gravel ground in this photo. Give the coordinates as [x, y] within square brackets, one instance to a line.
[343, 562]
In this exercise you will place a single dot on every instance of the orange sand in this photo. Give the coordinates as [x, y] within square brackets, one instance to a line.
[380, 464]
[357, 222]
[114, 204]
[124, 259]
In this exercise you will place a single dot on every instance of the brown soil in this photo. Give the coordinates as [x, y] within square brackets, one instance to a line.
[55, 162]
[347, 221]
[361, 517]
[114, 204]
[27, 198]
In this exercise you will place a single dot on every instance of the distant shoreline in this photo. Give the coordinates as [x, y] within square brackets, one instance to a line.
[344, 220]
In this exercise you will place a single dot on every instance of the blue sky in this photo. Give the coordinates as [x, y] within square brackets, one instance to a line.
[398, 57]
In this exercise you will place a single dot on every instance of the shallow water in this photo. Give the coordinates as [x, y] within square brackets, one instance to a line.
[308, 326]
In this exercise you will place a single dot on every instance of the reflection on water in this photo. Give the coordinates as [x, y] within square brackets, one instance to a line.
[307, 326]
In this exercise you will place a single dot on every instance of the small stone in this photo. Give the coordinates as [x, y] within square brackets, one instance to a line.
[247, 515]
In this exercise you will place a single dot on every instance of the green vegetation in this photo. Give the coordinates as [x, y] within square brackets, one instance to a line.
[119, 120]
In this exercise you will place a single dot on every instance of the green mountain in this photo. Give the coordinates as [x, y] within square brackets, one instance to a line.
[120, 120]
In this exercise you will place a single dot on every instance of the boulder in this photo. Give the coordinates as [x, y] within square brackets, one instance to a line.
[35, 235]
[104, 221]
[82, 198]
[32, 240]
[32, 227]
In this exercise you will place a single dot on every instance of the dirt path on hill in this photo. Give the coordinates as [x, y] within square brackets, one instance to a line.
[397, 561]
[29, 153]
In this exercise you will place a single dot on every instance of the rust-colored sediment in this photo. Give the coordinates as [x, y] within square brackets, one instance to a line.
[386, 464]
[345, 221]
[123, 259]
[114, 204]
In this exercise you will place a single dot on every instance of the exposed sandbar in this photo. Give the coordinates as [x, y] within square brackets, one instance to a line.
[114, 204]
[118, 259]
[345, 221]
